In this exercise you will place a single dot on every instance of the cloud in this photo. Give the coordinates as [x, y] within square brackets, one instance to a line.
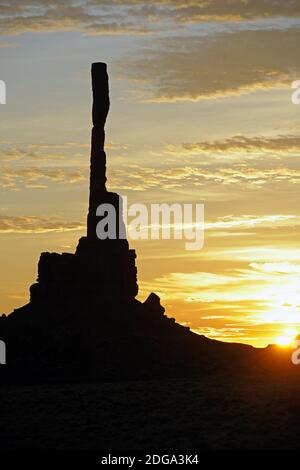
[45, 152]
[219, 10]
[22, 16]
[36, 164]
[240, 143]
[225, 64]
[237, 334]
[251, 221]
[194, 175]
[251, 294]
[217, 168]
[279, 268]
[10, 177]
[242, 222]
[234, 162]
[132, 16]
[34, 224]
[35, 151]
[235, 10]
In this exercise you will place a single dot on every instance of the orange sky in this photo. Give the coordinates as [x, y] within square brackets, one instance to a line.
[201, 112]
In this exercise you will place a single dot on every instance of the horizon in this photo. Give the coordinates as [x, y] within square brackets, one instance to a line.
[184, 126]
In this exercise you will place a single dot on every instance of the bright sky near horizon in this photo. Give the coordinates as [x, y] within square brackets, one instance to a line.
[201, 112]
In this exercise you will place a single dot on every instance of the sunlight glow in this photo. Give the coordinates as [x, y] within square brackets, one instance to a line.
[287, 338]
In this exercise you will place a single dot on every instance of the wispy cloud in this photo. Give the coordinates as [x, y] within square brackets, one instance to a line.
[35, 224]
[30, 176]
[251, 297]
[240, 143]
[11, 151]
[251, 221]
[226, 64]
[21, 16]
[195, 175]
[219, 10]
[132, 16]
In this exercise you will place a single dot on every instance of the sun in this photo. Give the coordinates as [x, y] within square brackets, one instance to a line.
[287, 338]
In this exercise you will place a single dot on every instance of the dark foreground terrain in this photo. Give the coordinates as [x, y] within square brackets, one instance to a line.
[234, 412]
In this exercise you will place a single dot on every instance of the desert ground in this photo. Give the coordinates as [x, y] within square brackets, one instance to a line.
[244, 411]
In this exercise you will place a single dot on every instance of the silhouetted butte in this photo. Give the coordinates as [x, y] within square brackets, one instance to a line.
[83, 321]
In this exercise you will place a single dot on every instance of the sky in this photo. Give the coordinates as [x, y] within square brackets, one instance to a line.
[201, 112]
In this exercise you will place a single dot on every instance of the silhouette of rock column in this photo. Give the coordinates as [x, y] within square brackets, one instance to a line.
[100, 269]
[107, 260]
[98, 156]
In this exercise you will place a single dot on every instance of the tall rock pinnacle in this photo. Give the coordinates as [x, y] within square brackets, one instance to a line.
[107, 261]
[98, 156]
